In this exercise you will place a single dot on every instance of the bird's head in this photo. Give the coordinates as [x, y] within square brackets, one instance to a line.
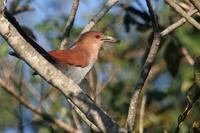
[93, 39]
[91, 42]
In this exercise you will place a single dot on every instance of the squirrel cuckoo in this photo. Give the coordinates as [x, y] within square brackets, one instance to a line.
[78, 61]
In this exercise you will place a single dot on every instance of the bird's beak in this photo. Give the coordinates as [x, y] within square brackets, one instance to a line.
[109, 39]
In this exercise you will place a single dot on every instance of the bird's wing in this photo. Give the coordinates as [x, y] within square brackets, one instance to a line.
[69, 57]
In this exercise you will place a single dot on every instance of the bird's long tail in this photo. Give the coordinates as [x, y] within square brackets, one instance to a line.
[14, 22]
[35, 45]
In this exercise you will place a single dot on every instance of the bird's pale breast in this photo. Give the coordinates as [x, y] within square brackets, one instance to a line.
[77, 74]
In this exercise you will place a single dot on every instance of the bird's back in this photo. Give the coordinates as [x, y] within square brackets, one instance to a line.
[74, 64]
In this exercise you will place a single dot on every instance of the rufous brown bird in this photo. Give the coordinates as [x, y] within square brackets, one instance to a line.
[78, 60]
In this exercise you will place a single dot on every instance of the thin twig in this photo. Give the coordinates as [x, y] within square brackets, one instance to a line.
[21, 122]
[145, 71]
[142, 109]
[10, 89]
[181, 12]
[76, 120]
[188, 57]
[91, 88]
[183, 116]
[84, 118]
[69, 24]
[107, 6]
[41, 94]
[103, 86]
[177, 24]
[196, 4]
[25, 85]
[98, 84]
[7, 70]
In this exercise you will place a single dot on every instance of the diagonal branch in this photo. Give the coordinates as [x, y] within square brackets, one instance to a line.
[188, 57]
[107, 6]
[10, 89]
[177, 24]
[181, 12]
[55, 77]
[69, 24]
[145, 71]
[196, 3]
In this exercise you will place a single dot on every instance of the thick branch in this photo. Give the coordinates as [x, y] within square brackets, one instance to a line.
[69, 24]
[108, 5]
[181, 12]
[8, 88]
[145, 71]
[149, 61]
[140, 83]
[55, 77]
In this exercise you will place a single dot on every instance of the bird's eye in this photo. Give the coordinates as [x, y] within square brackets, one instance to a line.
[97, 36]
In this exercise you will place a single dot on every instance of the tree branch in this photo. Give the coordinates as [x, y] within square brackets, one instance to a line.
[84, 118]
[22, 9]
[188, 57]
[196, 4]
[10, 89]
[142, 110]
[55, 77]
[181, 12]
[145, 71]
[107, 6]
[149, 61]
[69, 24]
[177, 24]
[41, 51]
